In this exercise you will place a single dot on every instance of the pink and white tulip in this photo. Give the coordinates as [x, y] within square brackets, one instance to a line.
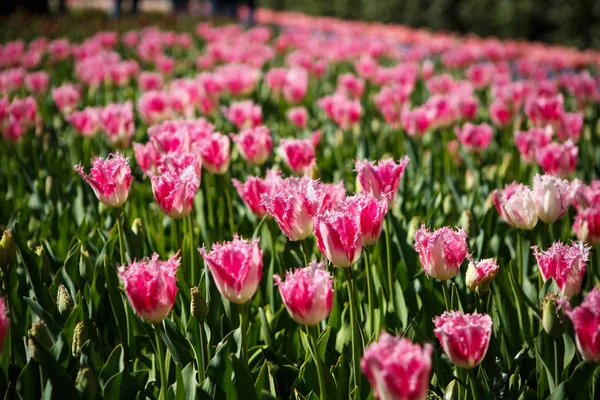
[566, 264]
[558, 159]
[481, 274]
[441, 252]
[383, 179]
[85, 122]
[116, 121]
[110, 179]
[339, 236]
[475, 138]
[372, 214]
[66, 97]
[553, 196]
[298, 154]
[254, 144]
[174, 190]
[254, 188]
[516, 205]
[214, 152]
[587, 225]
[586, 323]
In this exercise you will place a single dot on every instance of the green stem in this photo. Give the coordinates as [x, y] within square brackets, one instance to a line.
[227, 184]
[244, 331]
[472, 385]
[520, 256]
[446, 298]
[190, 225]
[304, 246]
[355, 335]
[389, 258]
[160, 361]
[209, 203]
[118, 223]
[204, 355]
[314, 352]
[370, 300]
[556, 376]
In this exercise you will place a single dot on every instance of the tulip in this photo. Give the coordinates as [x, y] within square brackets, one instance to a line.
[37, 82]
[566, 264]
[146, 156]
[441, 252]
[154, 107]
[307, 293]
[254, 144]
[587, 195]
[516, 206]
[254, 188]
[558, 159]
[383, 179]
[298, 117]
[66, 97]
[371, 213]
[86, 122]
[4, 322]
[293, 205]
[332, 194]
[243, 114]
[528, 142]
[339, 235]
[570, 126]
[480, 275]
[236, 268]
[110, 179]
[587, 225]
[298, 154]
[475, 138]
[174, 190]
[464, 337]
[500, 113]
[397, 369]
[148, 81]
[214, 152]
[586, 323]
[117, 122]
[552, 197]
[151, 286]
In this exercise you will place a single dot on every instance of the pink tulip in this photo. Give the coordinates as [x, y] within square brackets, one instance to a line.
[372, 214]
[350, 86]
[586, 323]
[566, 264]
[342, 110]
[528, 142]
[416, 122]
[383, 179]
[586, 195]
[154, 107]
[295, 85]
[475, 138]
[174, 190]
[390, 101]
[544, 111]
[516, 206]
[151, 286]
[254, 144]
[116, 121]
[332, 194]
[587, 225]
[558, 159]
[397, 369]
[66, 97]
[243, 114]
[500, 114]
[37, 82]
[148, 81]
[236, 268]
[254, 188]
[570, 126]
[110, 179]
[298, 117]
[214, 151]
[468, 107]
[480, 275]
[239, 79]
[147, 157]
[553, 196]
[85, 122]
[307, 293]
[4, 322]
[464, 337]
[293, 205]
[441, 252]
[19, 116]
[298, 154]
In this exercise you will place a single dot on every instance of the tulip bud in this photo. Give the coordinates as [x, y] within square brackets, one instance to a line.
[198, 306]
[80, 336]
[480, 275]
[451, 392]
[8, 250]
[86, 383]
[45, 268]
[137, 226]
[39, 332]
[552, 317]
[64, 301]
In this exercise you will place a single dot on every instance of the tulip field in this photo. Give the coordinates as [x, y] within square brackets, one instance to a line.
[309, 208]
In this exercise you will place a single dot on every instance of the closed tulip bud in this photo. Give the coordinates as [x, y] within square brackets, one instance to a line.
[586, 323]
[45, 268]
[397, 369]
[64, 301]
[198, 306]
[441, 252]
[566, 264]
[80, 336]
[553, 196]
[38, 335]
[151, 286]
[8, 250]
[553, 317]
[464, 337]
[480, 275]
[307, 293]
[451, 392]
[110, 179]
[236, 268]
[86, 383]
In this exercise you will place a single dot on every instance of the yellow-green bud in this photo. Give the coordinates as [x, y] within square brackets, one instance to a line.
[199, 308]
[451, 392]
[8, 250]
[45, 268]
[86, 383]
[39, 332]
[553, 318]
[80, 336]
[64, 302]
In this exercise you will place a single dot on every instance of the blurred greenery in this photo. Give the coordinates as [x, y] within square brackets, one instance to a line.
[569, 22]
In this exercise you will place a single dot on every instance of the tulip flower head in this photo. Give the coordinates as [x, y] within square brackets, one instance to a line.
[481, 274]
[110, 179]
[464, 337]
[85, 122]
[298, 117]
[566, 264]
[587, 225]
[151, 286]
[298, 154]
[236, 268]
[553, 196]
[371, 213]
[383, 179]
[214, 152]
[475, 138]
[442, 251]
[174, 190]
[117, 122]
[254, 144]
[586, 322]
[307, 293]
[397, 369]
[516, 205]
[254, 188]
[339, 236]
[528, 142]
[558, 159]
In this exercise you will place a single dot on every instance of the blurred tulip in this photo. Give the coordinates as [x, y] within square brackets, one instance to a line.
[475, 138]
[587, 225]
[254, 144]
[298, 154]
[559, 159]
[586, 323]
[214, 152]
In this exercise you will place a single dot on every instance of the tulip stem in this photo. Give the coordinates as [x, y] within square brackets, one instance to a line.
[160, 364]
[190, 226]
[556, 376]
[121, 237]
[472, 385]
[314, 352]
[203, 344]
[446, 298]
[227, 184]
[370, 301]
[355, 334]
[520, 256]
[389, 258]
[304, 246]
[244, 331]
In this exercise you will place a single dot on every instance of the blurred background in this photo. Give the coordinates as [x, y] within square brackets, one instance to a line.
[570, 22]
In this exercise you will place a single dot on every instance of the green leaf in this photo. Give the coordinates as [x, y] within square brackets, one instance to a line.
[28, 382]
[113, 366]
[243, 379]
